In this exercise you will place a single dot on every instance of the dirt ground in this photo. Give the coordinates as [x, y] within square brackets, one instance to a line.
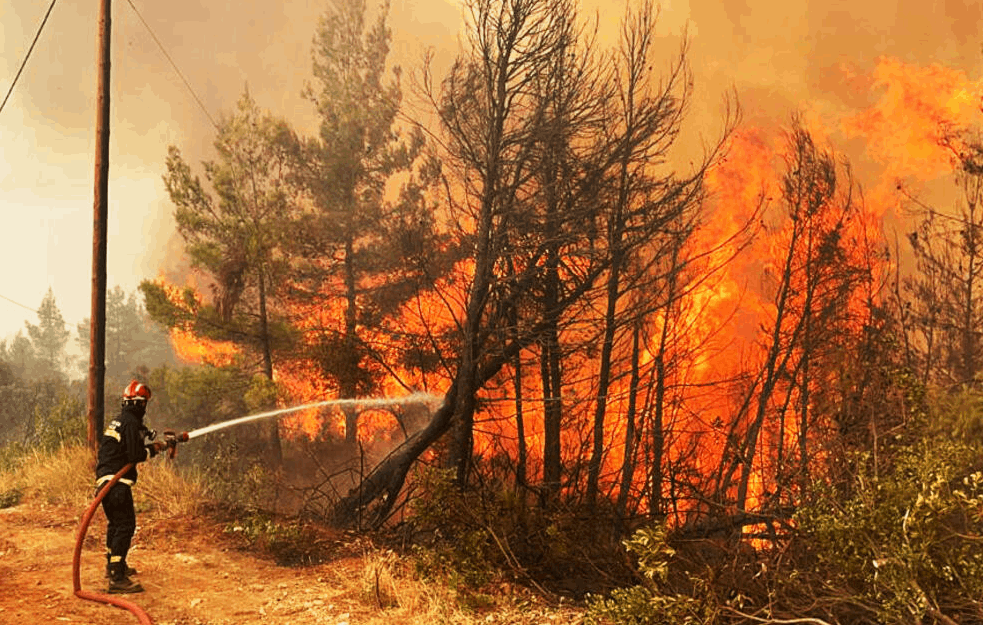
[195, 574]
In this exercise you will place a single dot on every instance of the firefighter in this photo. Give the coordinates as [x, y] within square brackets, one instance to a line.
[126, 440]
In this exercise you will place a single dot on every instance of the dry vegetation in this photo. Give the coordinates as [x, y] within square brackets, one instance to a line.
[202, 564]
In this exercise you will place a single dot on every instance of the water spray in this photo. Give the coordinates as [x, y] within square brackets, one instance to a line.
[171, 439]
[414, 398]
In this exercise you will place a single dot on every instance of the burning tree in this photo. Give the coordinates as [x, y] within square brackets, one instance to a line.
[359, 249]
[552, 194]
[235, 233]
[819, 278]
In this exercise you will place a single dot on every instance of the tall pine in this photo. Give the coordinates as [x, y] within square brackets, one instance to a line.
[357, 246]
[235, 225]
[49, 338]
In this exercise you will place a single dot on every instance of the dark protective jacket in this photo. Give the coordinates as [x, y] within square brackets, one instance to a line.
[121, 444]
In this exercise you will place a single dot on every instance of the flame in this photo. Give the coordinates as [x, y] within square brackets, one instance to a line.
[194, 349]
[716, 333]
[187, 345]
[920, 110]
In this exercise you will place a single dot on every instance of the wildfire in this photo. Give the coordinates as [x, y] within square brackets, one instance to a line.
[912, 126]
[194, 349]
[719, 328]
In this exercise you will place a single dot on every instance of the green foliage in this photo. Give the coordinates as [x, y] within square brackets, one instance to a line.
[236, 461]
[239, 481]
[10, 497]
[235, 226]
[463, 552]
[191, 397]
[909, 542]
[19, 357]
[653, 552]
[473, 537]
[647, 604]
[639, 605]
[133, 340]
[62, 424]
[261, 394]
[379, 243]
[290, 542]
[162, 310]
[41, 414]
[956, 416]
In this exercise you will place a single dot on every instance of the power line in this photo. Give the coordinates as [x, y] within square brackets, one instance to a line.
[33, 310]
[171, 61]
[27, 56]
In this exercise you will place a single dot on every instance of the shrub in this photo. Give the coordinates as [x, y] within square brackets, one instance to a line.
[908, 544]
[11, 455]
[10, 497]
[290, 542]
[64, 423]
[461, 549]
[493, 532]
[648, 604]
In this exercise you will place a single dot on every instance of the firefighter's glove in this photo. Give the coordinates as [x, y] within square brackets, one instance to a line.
[156, 447]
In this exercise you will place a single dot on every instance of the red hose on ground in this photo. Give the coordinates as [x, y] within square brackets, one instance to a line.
[76, 581]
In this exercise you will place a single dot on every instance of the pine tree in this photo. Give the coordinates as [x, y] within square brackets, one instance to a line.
[235, 225]
[357, 249]
[234, 231]
[49, 337]
[133, 340]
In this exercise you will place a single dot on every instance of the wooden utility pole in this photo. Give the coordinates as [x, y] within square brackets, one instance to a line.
[97, 336]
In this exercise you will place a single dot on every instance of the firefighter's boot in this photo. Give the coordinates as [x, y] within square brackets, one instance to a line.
[119, 581]
[128, 570]
[124, 586]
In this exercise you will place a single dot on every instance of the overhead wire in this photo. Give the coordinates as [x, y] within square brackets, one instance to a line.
[173, 64]
[34, 310]
[37, 35]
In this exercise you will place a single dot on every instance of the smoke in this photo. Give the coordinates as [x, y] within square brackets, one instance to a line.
[46, 175]
[778, 56]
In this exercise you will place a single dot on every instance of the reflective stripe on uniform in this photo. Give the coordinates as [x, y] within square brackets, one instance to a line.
[114, 434]
[114, 559]
[105, 478]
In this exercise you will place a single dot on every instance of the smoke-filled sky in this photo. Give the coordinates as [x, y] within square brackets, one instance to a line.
[821, 57]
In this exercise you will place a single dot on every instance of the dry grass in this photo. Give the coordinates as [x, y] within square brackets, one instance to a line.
[390, 586]
[63, 477]
[379, 580]
[67, 477]
[170, 492]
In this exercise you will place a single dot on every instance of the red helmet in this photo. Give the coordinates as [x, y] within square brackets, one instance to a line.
[135, 392]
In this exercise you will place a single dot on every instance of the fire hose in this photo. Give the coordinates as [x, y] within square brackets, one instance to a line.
[171, 439]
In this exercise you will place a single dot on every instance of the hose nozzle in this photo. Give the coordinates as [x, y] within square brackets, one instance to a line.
[172, 438]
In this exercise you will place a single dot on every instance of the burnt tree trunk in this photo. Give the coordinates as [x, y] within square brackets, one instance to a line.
[264, 330]
[349, 388]
[550, 375]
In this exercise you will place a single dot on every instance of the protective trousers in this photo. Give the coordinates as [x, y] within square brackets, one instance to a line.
[121, 524]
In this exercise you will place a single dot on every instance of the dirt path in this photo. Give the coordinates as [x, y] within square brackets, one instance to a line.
[194, 575]
[188, 579]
